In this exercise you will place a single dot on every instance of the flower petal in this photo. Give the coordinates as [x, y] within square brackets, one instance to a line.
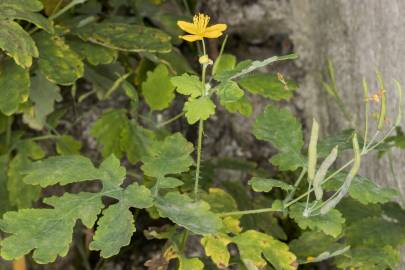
[187, 27]
[215, 30]
[191, 38]
[216, 27]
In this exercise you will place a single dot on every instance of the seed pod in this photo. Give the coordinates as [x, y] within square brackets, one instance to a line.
[383, 109]
[312, 151]
[322, 171]
[346, 185]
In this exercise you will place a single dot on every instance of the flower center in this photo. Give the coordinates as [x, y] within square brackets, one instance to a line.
[201, 21]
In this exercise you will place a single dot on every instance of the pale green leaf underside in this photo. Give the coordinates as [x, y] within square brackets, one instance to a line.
[195, 216]
[363, 189]
[266, 185]
[61, 169]
[330, 223]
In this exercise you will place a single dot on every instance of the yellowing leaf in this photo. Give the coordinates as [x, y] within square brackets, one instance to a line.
[126, 37]
[215, 246]
[188, 264]
[199, 109]
[57, 61]
[14, 85]
[17, 43]
[93, 53]
[157, 89]
[254, 245]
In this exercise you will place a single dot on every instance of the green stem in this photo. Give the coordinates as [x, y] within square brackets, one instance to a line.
[200, 130]
[183, 241]
[66, 8]
[297, 183]
[171, 120]
[247, 212]
[198, 165]
[45, 137]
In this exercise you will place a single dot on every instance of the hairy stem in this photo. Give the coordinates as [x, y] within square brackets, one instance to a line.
[200, 130]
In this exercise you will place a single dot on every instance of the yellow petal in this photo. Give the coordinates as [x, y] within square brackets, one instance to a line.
[215, 30]
[191, 38]
[187, 27]
[216, 27]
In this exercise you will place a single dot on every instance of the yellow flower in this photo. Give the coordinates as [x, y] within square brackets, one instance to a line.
[198, 29]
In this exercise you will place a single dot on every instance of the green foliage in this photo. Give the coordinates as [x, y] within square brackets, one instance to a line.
[189, 85]
[43, 95]
[199, 109]
[267, 85]
[330, 223]
[59, 61]
[252, 245]
[170, 156]
[30, 228]
[363, 189]
[266, 185]
[15, 85]
[195, 216]
[17, 43]
[279, 127]
[126, 37]
[157, 88]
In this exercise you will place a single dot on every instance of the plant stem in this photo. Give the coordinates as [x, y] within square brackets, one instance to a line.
[198, 165]
[297, 183]
[263, 210]
[246, 212]
[200, 130]
[171, 120]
